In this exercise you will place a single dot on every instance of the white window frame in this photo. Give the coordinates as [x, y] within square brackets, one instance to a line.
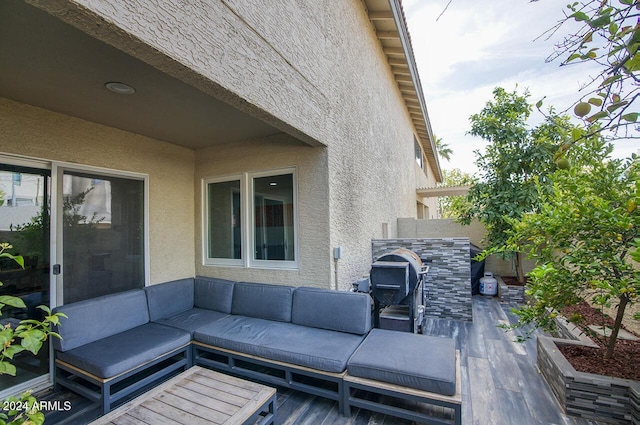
[247, 213]
[213, 261]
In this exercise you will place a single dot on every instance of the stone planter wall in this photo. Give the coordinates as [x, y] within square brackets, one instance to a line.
[635, 403]
[510, 294]
[586, 395]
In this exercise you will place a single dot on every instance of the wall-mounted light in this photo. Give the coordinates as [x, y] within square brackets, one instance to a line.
[119, 88]
[273, 184]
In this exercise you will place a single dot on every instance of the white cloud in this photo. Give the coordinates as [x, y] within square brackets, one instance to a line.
[478, 45]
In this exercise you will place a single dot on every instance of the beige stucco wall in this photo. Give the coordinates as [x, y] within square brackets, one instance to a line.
[315, 70]
[276, 152]
[38, 133]
[372, 157]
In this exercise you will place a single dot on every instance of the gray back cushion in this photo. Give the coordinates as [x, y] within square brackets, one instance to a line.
[333, 310]
[171, 298]
[270, 302]
[98, 318]
[214, 294]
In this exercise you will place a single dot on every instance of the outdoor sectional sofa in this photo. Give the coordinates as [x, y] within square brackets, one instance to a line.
[313, 340]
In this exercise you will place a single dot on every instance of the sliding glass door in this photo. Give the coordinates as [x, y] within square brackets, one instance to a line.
[102, 235]
[24, 223]
[82, 233]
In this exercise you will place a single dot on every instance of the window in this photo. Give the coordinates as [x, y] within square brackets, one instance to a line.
[250, 220]
[418, 151]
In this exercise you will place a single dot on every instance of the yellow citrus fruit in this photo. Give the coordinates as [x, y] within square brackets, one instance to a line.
[563, 163]
[582, 109]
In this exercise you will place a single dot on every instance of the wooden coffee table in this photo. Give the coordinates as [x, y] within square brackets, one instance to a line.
[199, 396]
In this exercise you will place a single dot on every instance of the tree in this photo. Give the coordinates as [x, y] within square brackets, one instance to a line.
[583, 239]
[516, 158]
[443, 149]
[453, 206]
[609, 36]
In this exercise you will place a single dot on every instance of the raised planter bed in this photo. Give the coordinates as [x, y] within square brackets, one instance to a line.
[510, 293]
[586, 395]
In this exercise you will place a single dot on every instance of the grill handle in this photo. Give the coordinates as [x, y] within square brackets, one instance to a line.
[385, 286]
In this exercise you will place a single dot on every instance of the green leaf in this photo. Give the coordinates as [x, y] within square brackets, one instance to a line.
[600, 21]
[631, 117]
[7, 368]
[610, 80]
[12, 301]
[595, 101]
[6, 335]
[576, 134]
[597, 116]
[580, 16]
[12, 350]
[613, 28]
[633, 64]
[32, 340]
[574, 57]
[616, 106]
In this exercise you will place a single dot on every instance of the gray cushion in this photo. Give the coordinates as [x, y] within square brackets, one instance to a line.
[213, 294]
[333, 310]
[271, 302]
[193, 319]
[427, 363]
[310, 347]
[169, 299]
[124, 351]
[97, 318]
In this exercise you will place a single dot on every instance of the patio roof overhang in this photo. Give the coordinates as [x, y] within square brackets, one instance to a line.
[51, 64]
[389, 22]
[435, 192]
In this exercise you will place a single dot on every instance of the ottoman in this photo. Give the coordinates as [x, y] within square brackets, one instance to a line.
[405, 366]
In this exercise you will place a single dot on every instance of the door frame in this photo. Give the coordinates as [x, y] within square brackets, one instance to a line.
[57, 244]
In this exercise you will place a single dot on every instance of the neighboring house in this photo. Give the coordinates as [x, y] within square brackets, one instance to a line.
[260, 136]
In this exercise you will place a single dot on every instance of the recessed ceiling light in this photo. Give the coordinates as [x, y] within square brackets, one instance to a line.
[120, 88]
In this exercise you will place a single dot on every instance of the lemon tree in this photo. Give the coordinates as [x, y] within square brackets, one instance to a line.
[583, 239]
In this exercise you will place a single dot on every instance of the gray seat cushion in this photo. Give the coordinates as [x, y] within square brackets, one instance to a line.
[300, 345]
[416, 361]
[193, 319]
[271, 302]
[97, 318]
[170, 298]
[333, 310]
[213, 294]
[119, 353]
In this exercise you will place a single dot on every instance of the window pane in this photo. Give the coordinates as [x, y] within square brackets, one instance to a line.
[103, 235]
[273, 218]
[225, 224]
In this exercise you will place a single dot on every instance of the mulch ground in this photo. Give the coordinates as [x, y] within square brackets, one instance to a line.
[626, 357]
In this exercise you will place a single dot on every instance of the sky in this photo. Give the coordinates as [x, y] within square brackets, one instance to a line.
[477, 45]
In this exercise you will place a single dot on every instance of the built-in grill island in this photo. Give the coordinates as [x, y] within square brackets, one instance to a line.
[397, 291]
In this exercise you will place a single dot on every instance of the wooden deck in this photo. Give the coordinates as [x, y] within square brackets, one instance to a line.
[500, 382]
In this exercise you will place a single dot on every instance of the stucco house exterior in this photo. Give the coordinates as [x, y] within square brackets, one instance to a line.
[242, 139]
